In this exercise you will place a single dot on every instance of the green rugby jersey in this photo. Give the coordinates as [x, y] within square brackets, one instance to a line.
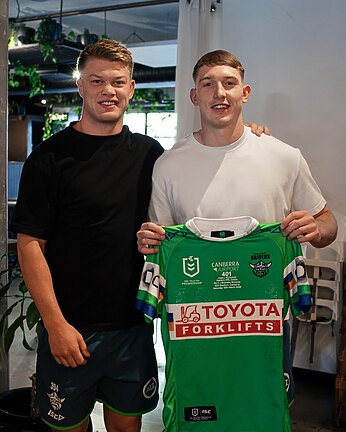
[222, 288]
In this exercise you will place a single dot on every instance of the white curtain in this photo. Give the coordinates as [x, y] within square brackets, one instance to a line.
[199, 31]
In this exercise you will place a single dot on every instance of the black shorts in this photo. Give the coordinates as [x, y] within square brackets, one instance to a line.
[121, 373]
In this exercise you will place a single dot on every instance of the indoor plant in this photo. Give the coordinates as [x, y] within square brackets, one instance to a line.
[87, 38]
[17, 406]
[20, 34]
[47, 32]
[27, 316]
[17, 71]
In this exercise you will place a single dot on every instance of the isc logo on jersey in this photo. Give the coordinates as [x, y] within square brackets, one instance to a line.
[234, 318]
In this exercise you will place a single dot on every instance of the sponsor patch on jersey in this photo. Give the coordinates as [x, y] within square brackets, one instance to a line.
[200, 413]
[222, 234]
[234, 318]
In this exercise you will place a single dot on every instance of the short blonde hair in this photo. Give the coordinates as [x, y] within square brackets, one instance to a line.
[218, 58]
[108, 50]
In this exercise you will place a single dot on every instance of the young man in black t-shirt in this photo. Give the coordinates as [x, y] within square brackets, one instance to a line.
[84, 193]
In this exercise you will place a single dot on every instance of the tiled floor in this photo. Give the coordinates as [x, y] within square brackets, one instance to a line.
[312, 410]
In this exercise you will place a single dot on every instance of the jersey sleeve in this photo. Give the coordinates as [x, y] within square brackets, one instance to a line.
[295, 279]
[151, 288]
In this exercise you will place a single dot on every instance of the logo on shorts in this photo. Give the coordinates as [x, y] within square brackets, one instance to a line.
[150, 388]
[55, 401]
[287, 381]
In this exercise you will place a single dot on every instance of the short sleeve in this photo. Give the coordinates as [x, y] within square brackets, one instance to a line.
[151, 288]
[296, 280]
[35, 208]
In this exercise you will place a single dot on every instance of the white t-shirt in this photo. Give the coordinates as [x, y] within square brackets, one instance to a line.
[257, 176]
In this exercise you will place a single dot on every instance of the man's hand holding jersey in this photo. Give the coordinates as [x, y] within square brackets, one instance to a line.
[319, 230]
[149, 238]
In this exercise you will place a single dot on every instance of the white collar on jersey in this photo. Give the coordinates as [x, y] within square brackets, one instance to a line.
[227, 229]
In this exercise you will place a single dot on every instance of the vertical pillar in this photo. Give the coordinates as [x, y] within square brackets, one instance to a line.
[4, 365]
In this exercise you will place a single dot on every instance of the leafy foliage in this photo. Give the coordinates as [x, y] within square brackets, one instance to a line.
[46, 32]
[27, 316]
[30, 72]
[58, 107]
[150, 100]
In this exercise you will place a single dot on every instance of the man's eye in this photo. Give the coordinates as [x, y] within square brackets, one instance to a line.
[96, 81]
[119, 83]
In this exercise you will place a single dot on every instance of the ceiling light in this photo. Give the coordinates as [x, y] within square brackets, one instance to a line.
[76, 74]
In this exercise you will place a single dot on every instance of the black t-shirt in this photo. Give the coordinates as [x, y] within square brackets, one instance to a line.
[87, 196]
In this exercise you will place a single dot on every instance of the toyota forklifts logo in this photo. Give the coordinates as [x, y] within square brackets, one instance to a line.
[189, 314]
[191, 266]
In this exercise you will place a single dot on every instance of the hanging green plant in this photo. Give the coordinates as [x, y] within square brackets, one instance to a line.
[150, 100]
[11, 35]
[71, 36]
[48, 31]
[87, 38]
[29, 72]
[53, 123]
[20, 34]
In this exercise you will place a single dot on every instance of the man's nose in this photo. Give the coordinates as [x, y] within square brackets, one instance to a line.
[108, 88]
[219, 90]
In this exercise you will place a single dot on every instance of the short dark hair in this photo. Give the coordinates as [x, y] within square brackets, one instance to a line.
[106, 49]
[218, 58]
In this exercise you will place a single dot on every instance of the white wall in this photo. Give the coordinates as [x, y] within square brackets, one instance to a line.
[294, 54]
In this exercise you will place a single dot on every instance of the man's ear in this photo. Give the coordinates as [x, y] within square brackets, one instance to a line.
[193, 96]
[80, 87]
[132, 88]
[246, 92]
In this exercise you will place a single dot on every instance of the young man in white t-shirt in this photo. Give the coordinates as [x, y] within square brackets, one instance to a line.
[224, 171]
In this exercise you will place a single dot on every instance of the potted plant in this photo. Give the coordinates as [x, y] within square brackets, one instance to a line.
[27, 316]
[18, 411]
[17, 407]
[87, 38]
[48, 32]
[20, 34]
[71, 36]
[20, 74]
[29, 73]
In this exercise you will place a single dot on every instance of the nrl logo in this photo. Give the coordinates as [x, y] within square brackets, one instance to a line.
[195, 412]
[191, 266]
[260, 269]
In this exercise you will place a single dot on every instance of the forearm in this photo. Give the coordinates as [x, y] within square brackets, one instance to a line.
[327, 227]
[38, 279]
